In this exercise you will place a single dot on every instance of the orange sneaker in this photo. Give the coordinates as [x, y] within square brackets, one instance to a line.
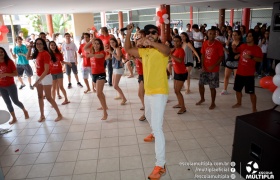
[149, 138]
[157, 173]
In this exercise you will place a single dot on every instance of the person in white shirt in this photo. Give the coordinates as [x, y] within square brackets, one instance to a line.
[197, 39]
[69, 50]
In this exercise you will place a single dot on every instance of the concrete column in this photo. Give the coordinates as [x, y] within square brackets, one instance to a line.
[162, 27]
[191, 15]
[246, 17]
[81, 23]
[49, 24]
[231, 17]
[103, 19]
[120, 17]
[4, 43]
[221, 17]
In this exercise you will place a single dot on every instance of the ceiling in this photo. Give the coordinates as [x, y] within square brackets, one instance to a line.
[93, 6]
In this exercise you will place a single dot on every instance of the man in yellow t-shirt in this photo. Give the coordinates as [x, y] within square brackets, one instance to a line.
[154, 60]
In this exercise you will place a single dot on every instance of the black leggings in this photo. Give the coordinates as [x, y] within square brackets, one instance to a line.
[10, 91]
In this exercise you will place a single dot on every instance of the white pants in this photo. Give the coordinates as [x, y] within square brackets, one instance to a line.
[154, 112]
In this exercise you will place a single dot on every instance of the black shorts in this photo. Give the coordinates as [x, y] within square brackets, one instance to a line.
[189, 64]
[181, 77]
[247, 81]
[73, 68]
[24, 68]
[140, 78]
[96, 77]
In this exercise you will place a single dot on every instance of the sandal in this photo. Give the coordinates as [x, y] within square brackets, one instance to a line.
[181, 111]
[176, 106]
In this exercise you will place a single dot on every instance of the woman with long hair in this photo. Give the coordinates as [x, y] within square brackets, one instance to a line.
[8, 87]
[243, 33]
[118, 69]
[232, 58]
[56, 71]
[97, 59]
[44, 79]
[189, 51]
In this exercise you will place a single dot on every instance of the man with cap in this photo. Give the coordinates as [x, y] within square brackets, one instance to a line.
[154, 59]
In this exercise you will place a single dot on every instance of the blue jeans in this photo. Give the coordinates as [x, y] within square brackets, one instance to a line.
[108, 63]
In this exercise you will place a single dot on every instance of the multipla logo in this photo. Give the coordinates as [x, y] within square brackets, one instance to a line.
[254, 173]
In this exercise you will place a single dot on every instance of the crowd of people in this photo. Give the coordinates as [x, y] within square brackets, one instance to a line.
[242, 52]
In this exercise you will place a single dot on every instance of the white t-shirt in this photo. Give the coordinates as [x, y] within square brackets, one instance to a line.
[190, 34]
[197, 36]
[69, 51]
[263, 46]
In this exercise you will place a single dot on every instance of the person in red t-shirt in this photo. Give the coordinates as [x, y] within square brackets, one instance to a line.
[212, 55]
[97, 59]
[180, 72]
[44, 78]
[8, 89]
[250, 53]
[105, 37]
[56, 71]
[86, 62]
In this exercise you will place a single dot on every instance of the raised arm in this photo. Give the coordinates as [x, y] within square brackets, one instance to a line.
[127, 44]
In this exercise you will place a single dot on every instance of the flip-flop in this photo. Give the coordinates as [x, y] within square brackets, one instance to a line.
[65, 102]
[176, 106]
[181, 112]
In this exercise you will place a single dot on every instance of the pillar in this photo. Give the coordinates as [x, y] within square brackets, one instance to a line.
[246, 17]
[231, 17]
[80, 25]
[191, 15]
[221, 17]
[4, 43]
[120, 17]
[103, 19]
[49, 24]
[130, 17]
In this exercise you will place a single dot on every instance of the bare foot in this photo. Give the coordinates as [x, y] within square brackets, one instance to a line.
[42, 119]
[123, 102]
[200, 102]
[236, 105]
[101, 108]
[212, 106]
[88, 90]
[188, 91]
[94, 90]
[13, 121]
[26, 115]
[130, 76]
[105, 116]
[59, 117]
[117, 98]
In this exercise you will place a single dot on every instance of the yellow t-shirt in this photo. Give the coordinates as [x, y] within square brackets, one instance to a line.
[154, 71]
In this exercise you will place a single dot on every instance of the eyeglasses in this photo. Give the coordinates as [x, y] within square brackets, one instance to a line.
[151, 32]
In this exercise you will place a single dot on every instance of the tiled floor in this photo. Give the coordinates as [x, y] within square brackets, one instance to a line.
[81, 146]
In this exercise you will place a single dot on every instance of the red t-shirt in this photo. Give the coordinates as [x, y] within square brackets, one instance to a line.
[105, 40]
[56, 68]
[139, 66]
[86, 61]
[7, 68]
[212, 53]
[124, 53]
[97, 64]
[179, 68]
[246, 67]
[43, 58]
